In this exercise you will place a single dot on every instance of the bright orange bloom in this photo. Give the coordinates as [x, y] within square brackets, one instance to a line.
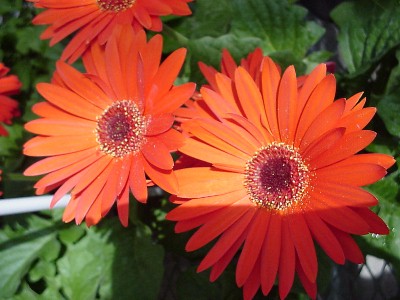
[96, 19]
[105, 130]
[284, 173]
[9, 85]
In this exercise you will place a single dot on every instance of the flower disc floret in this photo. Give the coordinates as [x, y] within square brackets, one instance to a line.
[276, 177]
[121, 128]
[115, 5]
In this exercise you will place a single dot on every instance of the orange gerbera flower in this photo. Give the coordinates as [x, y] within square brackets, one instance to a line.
[95, 19]
[9, 85]
[284, 174]
[103, 131]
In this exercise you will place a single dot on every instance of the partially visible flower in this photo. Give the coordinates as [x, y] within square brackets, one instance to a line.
[105, 130]
[94, 20]
[284, 173]
[9, 85]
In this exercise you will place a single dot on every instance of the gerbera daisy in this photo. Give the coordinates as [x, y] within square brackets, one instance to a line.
[284, 173]
[95, 19]
[105, 130]
[9, 85]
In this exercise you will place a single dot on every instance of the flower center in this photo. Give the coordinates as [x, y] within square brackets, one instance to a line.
[121, 128]
[276, 177]
[115, 5]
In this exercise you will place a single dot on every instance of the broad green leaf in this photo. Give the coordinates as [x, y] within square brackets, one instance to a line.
[387, 191]
[367, 31]
[115, 262]
[137, 267]
[279, 25]
[19, 248]
[85, 265]
[389, 111]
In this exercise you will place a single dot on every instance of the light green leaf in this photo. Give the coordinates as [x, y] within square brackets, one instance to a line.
[19, 248]
[367, 31]
[85, 265]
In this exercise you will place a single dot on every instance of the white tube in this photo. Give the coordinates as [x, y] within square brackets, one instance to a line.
[29, 204]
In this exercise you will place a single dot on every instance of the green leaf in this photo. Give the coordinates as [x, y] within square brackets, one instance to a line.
[387, 191]
[367, 31]
[137, 269]
[85, 266]
[279, 25]
[389, 111]
[388, 104]
[19, 248]
[115, 262]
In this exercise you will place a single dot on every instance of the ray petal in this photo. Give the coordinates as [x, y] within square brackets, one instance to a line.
[252, 246]
[287, 261]
[227, 240]
[222, 220]
[203, 182]
[325, 237]
[304, 245]
[270, 255]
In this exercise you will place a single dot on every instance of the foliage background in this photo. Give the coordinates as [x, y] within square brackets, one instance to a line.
[43, 258]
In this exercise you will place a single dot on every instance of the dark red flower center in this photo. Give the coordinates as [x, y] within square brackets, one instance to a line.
[276, 176]
[115, 5]
[121, 128]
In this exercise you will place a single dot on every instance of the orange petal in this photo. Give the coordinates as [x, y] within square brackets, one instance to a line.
[349, 246]
[252, 246]
[354, 174]
[60, 127]
[344, 194]
[249, 96]
[205, 152]
[348, 145]
[374, 221]
[270, 79]
[200, 206]
[204, 182]
[357, 120]
[221, 220]
[321, 97]
[287, 262]
[54, 163]
[175, 98]
[304, 245]
[157, 154]
[324, 122]
[123, 205]
[160, 123]
[165, 179]
[287, 105]
[227, 240]
[325, 237]
[69, 101]
[270, 254]
[137, 180]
